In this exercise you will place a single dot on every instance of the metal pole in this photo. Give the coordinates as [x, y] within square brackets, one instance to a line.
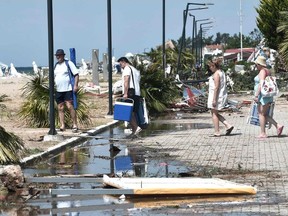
[182, 37]
[241, 34]
[184, 23]
[200, 51]
[91, 191]
[110, 112]
[196, 43]
[183, 30]
[201, 42]
[52, 130]
[163, 39]
[192, 47]
[197, 38]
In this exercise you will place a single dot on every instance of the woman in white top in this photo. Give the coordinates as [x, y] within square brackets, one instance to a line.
[217, 96]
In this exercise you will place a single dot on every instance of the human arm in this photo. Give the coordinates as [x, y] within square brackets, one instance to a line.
[76, 87]
[126, 86]
[262, 75]
[216, 78]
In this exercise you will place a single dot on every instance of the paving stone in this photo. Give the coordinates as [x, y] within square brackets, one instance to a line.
[250, 161]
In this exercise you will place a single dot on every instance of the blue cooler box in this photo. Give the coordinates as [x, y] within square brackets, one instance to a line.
[123, 109]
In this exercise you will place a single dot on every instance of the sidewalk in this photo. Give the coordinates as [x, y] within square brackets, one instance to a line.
[239, 157]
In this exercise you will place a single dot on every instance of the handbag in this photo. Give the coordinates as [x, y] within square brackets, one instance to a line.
[269, 87]
[131, 91]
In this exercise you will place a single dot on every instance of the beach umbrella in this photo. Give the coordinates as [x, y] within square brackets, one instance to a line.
[73, 59]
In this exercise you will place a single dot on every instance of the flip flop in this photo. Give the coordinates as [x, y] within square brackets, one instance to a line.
[228, 131]
[280, 130]
[216, 135]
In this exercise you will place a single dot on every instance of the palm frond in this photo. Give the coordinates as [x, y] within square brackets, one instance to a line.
[10, 147]
[35, 109]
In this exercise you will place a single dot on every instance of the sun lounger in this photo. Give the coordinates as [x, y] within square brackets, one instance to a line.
[253, 117]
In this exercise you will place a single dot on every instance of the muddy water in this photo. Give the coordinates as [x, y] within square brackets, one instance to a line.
[106, 154]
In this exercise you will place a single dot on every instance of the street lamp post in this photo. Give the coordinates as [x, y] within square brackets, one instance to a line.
[184, 11]
[110, 112]
[193, 36]
[52, 130]
[163, 38]
[184, 27]
[197, 38]
[201, 31]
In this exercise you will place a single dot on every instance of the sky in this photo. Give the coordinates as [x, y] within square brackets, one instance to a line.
[82, 24]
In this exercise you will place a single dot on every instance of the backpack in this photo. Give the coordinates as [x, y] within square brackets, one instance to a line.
[269, 87]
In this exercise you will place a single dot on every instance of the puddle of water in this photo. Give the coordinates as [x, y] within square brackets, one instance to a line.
[105, 155]
[98, 156]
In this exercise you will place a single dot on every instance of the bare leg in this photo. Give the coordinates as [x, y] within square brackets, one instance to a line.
[272, 121]
[215, 121]
[279, 127]
[61, 115]
[72, 113]
[262, 110]
[224, 121]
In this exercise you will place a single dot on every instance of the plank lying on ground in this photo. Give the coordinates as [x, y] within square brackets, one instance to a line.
[192, 186]
[66, 198]
[62, 179]
[92, 208]
[91, 191]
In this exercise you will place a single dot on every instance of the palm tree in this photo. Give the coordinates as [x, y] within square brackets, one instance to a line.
[35, 110]
[283, 28]
[10, 144]
[11, 147]
[268, 20]
[158, 91]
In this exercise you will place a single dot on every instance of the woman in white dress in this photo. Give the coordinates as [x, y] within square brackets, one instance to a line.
[217, 96]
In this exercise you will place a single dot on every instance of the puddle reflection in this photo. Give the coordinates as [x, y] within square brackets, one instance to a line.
[101, 156]
[108, 154]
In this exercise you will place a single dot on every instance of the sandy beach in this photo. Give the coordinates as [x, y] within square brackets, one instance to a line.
[32, 137]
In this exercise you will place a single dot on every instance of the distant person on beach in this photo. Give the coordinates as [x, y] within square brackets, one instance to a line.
[64, 94]
[263, 102]
[217, 96]
[131, 80]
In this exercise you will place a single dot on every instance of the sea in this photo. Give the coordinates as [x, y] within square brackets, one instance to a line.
[25, 70]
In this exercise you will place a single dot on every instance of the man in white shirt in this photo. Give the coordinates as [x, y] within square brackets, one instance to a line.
[64, 88]
[130, 79]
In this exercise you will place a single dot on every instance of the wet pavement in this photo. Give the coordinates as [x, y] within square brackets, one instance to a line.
[239, 157]
[182, 144]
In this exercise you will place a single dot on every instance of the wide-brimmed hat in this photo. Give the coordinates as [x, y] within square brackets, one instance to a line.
[60, 52]
[261, 60]
[124, 59]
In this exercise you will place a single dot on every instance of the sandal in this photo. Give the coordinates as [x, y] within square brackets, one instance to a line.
[74, 129]
[228, 131]
[279, 130]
